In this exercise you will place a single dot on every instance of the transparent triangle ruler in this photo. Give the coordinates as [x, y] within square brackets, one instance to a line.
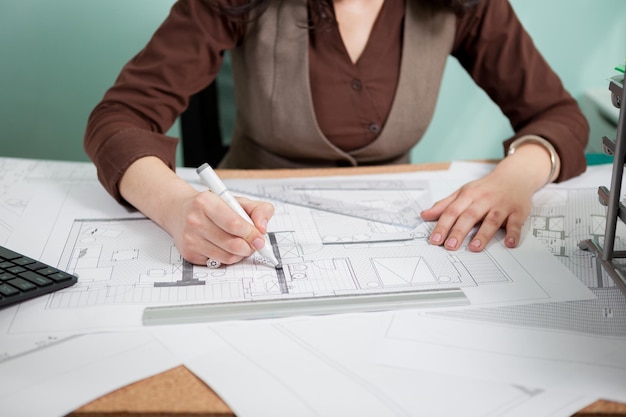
[392, 202]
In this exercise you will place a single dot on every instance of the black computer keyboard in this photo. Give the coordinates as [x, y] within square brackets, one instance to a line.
[23, 278]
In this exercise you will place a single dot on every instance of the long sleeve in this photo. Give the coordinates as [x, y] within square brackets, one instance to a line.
[497, 52]
[182, 57]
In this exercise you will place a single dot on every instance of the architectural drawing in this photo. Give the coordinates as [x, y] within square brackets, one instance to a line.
[118, 262]
[12, 201]
[19, 179]
[131, 261]
[560, 219]
[123, 260]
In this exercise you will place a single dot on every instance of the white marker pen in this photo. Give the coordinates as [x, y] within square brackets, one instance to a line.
[215, 184]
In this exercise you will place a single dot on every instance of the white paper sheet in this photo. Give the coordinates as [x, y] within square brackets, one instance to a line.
[126, 263]
[307, 362]
[62, 377]
[320, 366]
[530, 357]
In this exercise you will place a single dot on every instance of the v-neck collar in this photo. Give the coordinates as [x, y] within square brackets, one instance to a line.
[372, 48]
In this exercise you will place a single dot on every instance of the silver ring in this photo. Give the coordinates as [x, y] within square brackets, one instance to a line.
[213, 264]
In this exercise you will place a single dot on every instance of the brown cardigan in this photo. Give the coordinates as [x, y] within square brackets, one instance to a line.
[291, 109]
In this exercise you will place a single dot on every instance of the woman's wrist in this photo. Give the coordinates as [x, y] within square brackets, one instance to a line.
[155, 190]
[555, 161]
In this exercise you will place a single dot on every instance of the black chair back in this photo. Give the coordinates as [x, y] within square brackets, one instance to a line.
[201, 133]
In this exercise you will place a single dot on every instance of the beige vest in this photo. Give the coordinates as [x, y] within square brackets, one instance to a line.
[275, 124]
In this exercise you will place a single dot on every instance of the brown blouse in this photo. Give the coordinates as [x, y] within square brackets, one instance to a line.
[351, 101]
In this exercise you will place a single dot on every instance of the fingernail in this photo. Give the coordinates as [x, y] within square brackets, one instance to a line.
[451, 243]
[510, 242]
[258, 243]
[475, 243]
[436, 238]
[264, 224]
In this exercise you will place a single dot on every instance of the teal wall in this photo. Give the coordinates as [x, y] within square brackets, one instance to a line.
[583, 40]
[58, 57]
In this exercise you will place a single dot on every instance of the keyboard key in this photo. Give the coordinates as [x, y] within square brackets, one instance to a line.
[35, 278]
[22, 284]
[60, 276]
[8, 291]
[47, 271]
[36, 265]
[23, 261]
[8, 254]
[16, 269]
[5, 276]
[6, 264]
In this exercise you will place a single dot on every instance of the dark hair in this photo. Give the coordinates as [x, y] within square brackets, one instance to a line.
[322, 8]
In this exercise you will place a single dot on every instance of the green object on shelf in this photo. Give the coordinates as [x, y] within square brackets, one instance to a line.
[620, 68]
[598, 158]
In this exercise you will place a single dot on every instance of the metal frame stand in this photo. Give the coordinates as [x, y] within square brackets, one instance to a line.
[611, 198]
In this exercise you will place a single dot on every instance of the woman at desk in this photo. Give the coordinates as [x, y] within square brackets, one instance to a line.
[324, 83]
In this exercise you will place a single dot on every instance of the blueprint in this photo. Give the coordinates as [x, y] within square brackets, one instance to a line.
[560, 219]
[19, 180]
[126, 263]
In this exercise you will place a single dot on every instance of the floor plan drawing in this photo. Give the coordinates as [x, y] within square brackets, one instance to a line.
[13, 201]
[323, 254]
[20, 182]
[560, 219]
[127, 260]
[100, 251]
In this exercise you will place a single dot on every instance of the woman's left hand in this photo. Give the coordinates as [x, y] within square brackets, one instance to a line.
[491, 202]
[501, 199]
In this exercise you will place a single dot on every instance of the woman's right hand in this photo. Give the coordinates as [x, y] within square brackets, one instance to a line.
[206, 227]
[202, 225]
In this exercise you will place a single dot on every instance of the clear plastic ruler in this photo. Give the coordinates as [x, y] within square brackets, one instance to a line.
[394, 202]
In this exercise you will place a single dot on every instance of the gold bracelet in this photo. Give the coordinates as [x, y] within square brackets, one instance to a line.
[554, 157]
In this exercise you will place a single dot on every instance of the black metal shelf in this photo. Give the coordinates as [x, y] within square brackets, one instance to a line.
[610, 198]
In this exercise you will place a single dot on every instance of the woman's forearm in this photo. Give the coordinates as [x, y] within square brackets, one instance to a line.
[201, 224]
[155, 190]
